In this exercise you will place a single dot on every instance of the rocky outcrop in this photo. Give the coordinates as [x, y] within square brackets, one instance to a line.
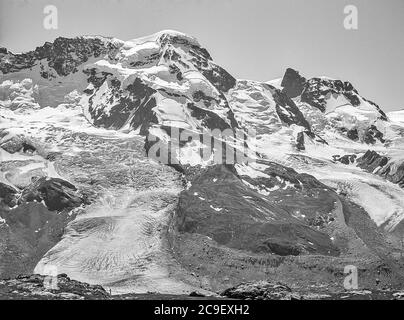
[372, 134]
[345, 159]
[300, 141]
[317, 89]
[373, 162]
[56, 193]
[369, 135]
[287, 110]
[353, 134]
[262, 290]
[134, 106]
[8, 195]
[292, 83]
[39, 287]
[18, 143]
[340, 103]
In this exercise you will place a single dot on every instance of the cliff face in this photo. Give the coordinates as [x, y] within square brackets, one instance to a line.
[293, 83]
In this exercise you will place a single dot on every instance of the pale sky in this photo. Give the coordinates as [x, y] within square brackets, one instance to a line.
[252, 39]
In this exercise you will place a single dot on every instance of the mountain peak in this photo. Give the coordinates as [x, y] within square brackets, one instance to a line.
[292, 83]
[166, 35]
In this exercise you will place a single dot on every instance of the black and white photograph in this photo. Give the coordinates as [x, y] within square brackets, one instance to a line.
[228, 151]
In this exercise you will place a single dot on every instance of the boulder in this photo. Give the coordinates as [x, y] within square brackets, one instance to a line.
[262, 290]
[57, 194]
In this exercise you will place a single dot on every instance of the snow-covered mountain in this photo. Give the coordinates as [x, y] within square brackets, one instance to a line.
[163, 168]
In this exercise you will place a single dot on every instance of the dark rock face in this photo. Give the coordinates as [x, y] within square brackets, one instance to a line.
[292, 83]
[7, 195]
[314, 91]
[300, 141]
[35, 287]
[346, 159]
[211, 120]
[133, 103]
[373, 162]
[14, 144]
[311, 199]
[353, 134]
[57, 194]
[219, 77]
[134, 106]
[287, 110]
[221, 206]
[18, 143]
[29, 231]
[371, 134]
[26, 147]
[317, 89]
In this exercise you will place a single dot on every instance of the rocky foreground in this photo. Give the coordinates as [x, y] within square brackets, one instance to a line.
[37, 287]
